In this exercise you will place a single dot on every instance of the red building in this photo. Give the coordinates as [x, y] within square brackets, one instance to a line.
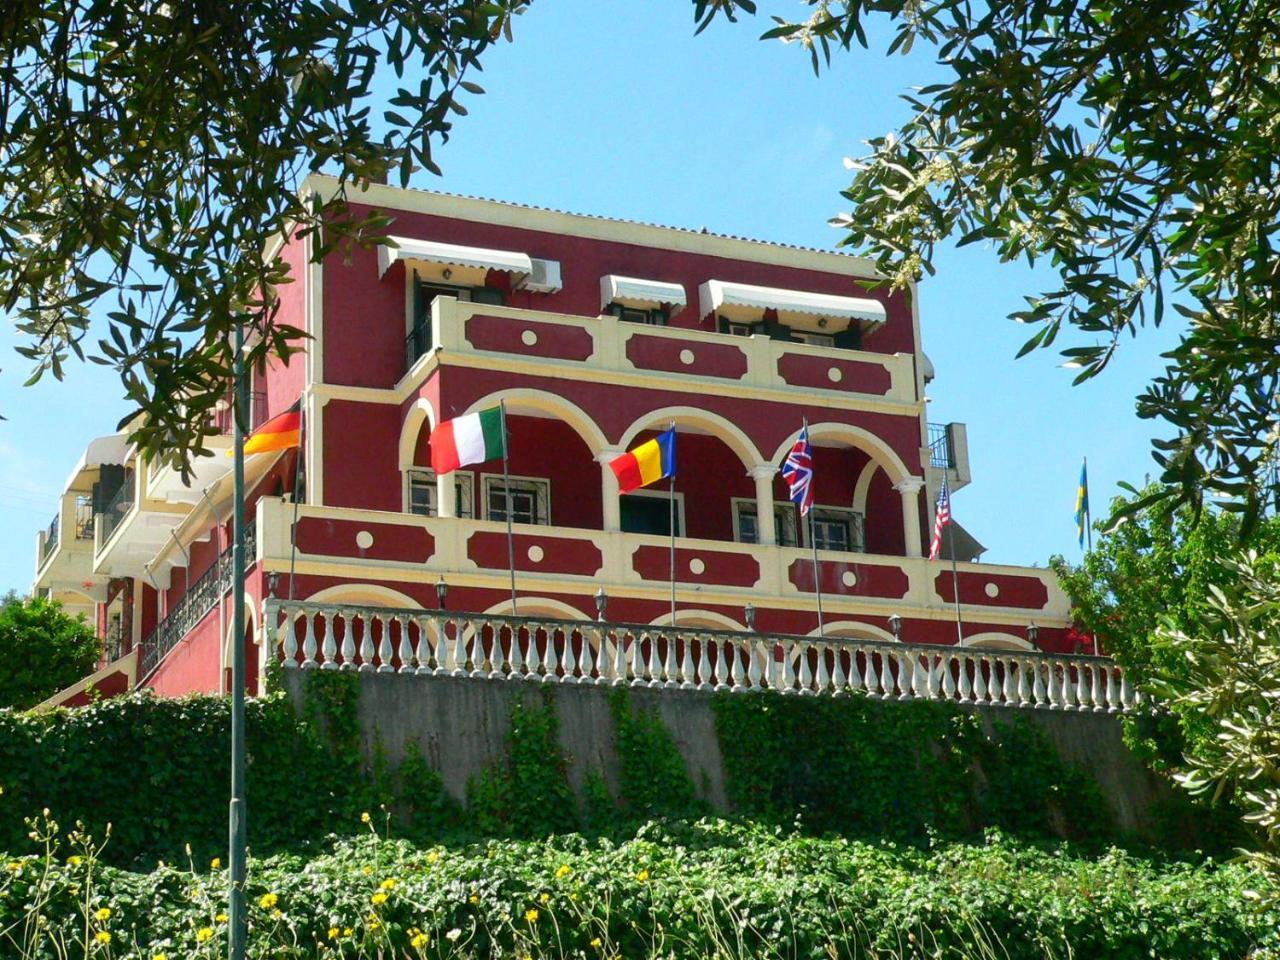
[594, 333]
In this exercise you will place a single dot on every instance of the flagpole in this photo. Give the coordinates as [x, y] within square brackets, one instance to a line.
[813, 539]
[671, 525]
[297, 483]
[237, 928]
[506, 485]
[955, 580]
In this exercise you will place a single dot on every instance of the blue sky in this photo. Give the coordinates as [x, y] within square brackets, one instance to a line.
[613, 107]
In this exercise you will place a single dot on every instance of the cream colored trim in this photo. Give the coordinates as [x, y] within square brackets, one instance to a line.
[997, 641]
[852, 628]
[730, 433]
[708, 619]
[228, 622]
[597, 228]
[128, 665]
[411, 429]
[521, 399]
[864, 440]
[863, 487]
[540, 606]
[681, 520]
[357, 594]
[314, 427]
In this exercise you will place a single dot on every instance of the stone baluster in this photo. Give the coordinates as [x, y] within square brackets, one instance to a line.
[687, 677]
[946, 659]
[346, 658]
[653, 662]
[568, 662]
[704, 664]
[1054, 692]
[481, 658]
[755, 651]
[669, 659]
[721, 667]
[919, 674]
[362, 627]
[429, 628]
[788, 668]
[1010, 682]
[620, 657]
[290, 640]
[385, 649]
[979, 678]
[904, 674]
[966, 691]
[587, 661]
[871, 679]
[408, 659]
[553, 666]
[637, 661]
[1095, 688]
[1112, 706]
[738, 673]
[931, 676]
[839, 681]
[806, 671]
[458, 659]
[1082, 685]
[1037, 687]
[887, 685]
[327, 647]
[1126, 692]
[1068, 686]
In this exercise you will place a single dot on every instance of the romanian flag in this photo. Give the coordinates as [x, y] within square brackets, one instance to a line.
[647, 463]
[279, 433]
[1082, 502]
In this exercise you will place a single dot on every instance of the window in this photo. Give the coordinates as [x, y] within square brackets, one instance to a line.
[746, 523]
[530, 500]
[421, 499]
[814, 339]
[649, 512]
[738, 329]
[839, 530]
[419, 339]
[655, 317]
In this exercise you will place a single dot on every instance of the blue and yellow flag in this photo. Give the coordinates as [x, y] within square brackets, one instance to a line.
[1082, 501]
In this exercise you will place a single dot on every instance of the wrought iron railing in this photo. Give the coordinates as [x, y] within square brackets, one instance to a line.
[201, 597]
[224, 418]
[417, 343]
[50, 539]
[113, 643]
[118, 506]
[335, 636]
[942, 453]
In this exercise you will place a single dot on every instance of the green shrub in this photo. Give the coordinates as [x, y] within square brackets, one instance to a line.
[707, 889]
[43, 649]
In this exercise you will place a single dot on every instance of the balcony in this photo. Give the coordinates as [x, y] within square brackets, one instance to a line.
[949, 453]
[478, 334]
[322, 636]
[563, 560]
[64, 553]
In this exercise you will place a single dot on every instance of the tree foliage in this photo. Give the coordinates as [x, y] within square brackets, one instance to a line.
[43, 649]
[1133, 148]
[150, 152]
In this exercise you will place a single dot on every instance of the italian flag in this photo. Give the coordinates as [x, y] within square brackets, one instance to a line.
[475, 438]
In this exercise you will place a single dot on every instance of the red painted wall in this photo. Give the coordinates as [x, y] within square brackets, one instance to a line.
[193, 666]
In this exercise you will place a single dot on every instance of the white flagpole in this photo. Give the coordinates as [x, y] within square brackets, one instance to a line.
[813, 539]
[955, 579]
[506, 485]
[671, 524]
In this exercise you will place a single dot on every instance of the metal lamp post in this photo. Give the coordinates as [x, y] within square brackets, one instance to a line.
[236, 859]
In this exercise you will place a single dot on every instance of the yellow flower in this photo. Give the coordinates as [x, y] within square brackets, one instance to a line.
[474, 899]
[215, 863]
[15, 866]
[366, 870]
[596, 943]
[103, 913]
[419, 941]
[563, 871]
[102, 937]
[543, 898]
[221, 918]
[378, 899]
[365, 818]
[531, 915]
[346, 931]
[333, 933]
[74, 860]
[277, 914]
[388, 884]
[374, 922]
[433, 856]
[643, 876]
[159, 956]
[267, 901]
[204, 934]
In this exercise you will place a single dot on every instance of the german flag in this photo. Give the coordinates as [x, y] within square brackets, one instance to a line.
[279, 433]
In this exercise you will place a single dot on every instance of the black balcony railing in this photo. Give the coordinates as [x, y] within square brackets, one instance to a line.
[224, 419]
[942, 453]
[201, 597]
[84, 517]
[118, 507]
[50, 539]
[417, 343]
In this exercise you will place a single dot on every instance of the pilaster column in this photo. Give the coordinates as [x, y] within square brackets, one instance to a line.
[910, 490]
[609, 498]
[763, 475]
[446, 495]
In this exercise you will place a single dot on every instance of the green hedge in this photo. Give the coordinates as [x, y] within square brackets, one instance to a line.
[705, 889]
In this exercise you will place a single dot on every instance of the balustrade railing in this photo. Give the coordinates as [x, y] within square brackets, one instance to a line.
[201, 597]
[50, 539]
[118, 506]
[440, 643]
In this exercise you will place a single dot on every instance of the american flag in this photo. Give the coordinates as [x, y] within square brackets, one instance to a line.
[797, 470]
[941, 520]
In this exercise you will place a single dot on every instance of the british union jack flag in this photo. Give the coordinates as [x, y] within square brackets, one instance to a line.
[797, 470]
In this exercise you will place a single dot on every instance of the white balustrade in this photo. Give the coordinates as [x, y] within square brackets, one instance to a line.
[441, 643]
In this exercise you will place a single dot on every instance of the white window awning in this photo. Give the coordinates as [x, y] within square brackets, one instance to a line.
[453, 255]
[633, 292]
[742, 298]
[112, 449]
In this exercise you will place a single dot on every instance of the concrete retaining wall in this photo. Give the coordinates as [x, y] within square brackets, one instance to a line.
[460, 725]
